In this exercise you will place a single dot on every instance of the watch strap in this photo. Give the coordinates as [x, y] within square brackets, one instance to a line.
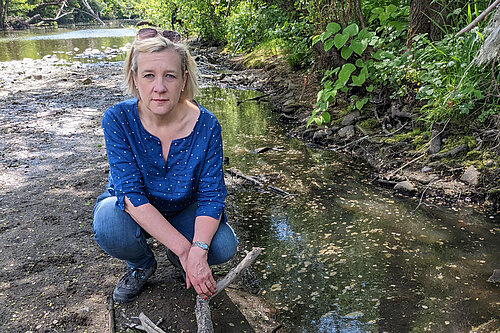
[201, 245]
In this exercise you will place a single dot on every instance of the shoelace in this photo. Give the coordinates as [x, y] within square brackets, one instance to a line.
[132, 274]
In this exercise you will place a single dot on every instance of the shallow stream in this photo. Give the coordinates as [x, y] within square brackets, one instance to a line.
[340, 255]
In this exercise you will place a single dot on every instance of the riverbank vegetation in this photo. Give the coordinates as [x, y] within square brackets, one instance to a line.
[398, 67]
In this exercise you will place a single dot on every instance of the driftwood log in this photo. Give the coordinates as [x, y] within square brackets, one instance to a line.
[202, 311]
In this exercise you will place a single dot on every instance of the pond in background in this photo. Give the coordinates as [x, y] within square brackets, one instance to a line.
[342, 255]
[86, 44]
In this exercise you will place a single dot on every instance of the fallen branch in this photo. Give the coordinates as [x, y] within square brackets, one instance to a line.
[452, 152]
[256, 99]
[148, 325]
[479, 18]
[391, 174]
[235, 172]
[203, 316]
[111, 313]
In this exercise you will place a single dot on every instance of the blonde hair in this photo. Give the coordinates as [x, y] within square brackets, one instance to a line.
[158, 44]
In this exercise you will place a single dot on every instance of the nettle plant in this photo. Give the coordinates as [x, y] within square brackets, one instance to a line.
[352, 44]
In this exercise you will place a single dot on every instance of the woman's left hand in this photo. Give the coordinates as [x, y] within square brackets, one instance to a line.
[198, 273]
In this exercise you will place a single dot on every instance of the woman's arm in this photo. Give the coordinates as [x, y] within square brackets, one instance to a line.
[151, 220]
[200, 275]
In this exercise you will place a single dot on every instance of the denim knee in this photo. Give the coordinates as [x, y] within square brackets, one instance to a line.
[119, 235]
[223, 245]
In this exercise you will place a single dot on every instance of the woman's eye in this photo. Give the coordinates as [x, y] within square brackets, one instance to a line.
[148, 76]
[170, 76]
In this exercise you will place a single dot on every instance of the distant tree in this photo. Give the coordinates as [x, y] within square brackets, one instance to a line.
[3, 12]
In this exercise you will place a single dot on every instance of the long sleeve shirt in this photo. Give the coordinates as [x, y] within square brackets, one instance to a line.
[192, 172]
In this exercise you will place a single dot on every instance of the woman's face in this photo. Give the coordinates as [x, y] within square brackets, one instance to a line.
[159, 80]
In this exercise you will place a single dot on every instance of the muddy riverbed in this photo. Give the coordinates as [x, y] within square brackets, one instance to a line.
[52, 167]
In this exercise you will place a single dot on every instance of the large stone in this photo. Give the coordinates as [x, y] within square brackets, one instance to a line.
[346, 132]
[319, 135]
[435, 145]
[350, 118]
[470, 176]
[404, 187]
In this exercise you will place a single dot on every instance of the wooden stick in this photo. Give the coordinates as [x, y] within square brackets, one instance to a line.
[237, 173]
[479, 18]
[111, 313]
[148, 324]
[203, 317]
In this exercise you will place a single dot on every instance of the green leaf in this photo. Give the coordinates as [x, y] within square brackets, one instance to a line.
[370, 88]
[358, 81]
[346, 52]
[328, 44]
[345, 73]
[309, 121]
[391, 9]
[377, 55]
[364, 71]
[340, 40]
[359, 46]
[333, 28]
[326, 117]
[365, 34]
[361, 103]
[384, 17]
[325, 35]
[351, 30]
[359, 63]
[316, 39]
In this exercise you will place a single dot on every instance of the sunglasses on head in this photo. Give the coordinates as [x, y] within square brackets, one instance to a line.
[146, 33]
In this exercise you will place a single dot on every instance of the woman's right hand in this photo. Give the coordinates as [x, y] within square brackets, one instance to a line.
[198, 273]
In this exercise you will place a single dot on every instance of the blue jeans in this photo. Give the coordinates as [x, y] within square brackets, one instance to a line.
[121, 237]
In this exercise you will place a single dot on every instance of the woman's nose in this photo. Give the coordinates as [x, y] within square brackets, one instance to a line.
[159, 85]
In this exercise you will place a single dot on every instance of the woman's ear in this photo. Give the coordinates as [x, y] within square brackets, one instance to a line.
[186, 75]
[134, 77]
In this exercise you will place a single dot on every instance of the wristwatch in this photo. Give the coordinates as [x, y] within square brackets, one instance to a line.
[201, 245]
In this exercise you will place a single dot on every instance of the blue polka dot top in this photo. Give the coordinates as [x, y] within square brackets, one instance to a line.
[192, 173]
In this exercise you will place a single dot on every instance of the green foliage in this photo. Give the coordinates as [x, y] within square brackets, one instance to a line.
[352, 44]
[253, 23]
[438, 74]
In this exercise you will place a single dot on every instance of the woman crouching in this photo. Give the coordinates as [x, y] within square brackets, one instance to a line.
[166, 180]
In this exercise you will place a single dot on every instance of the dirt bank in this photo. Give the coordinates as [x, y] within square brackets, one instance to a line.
[52, 167]
[446, 165]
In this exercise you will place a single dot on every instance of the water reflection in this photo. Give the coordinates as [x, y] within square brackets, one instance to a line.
[343, 256]
[86, 45]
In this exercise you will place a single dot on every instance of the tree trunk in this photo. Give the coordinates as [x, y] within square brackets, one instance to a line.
[4, 4]
[426, 16]
[91, 12]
